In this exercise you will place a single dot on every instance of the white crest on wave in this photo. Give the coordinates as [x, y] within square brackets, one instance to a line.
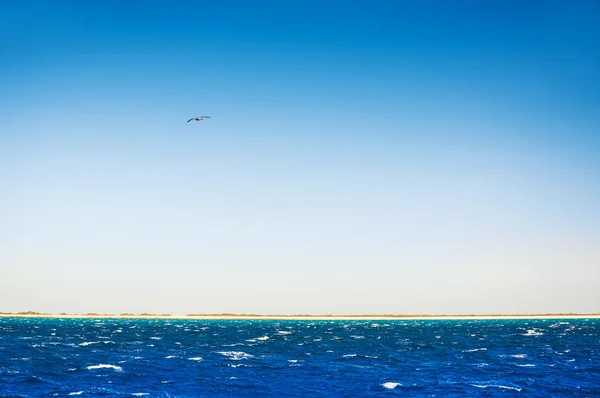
[105, 366]
[86, 343]
[496, 386]
[236, 355]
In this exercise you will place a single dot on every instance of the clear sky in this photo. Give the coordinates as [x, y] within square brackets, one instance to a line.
[362, 156]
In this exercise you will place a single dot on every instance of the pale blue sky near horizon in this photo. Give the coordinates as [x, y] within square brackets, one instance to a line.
[361, 157]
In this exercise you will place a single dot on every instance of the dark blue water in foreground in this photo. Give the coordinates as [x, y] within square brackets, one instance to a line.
[186, 358]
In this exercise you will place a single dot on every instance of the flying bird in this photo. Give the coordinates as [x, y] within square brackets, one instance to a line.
[198, 118]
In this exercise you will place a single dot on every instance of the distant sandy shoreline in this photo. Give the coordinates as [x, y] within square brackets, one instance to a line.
[302, 317]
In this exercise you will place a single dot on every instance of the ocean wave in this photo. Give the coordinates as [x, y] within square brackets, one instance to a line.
[76, 393]
[533, 332]
[139, 394]
[475, 350]
[236, 355]
[519, 355]
[496, 386]
[284, 332]
[171, 356]
[263, 338]
[105, 366]
[86, 343]
[390, 385]
[195, 359]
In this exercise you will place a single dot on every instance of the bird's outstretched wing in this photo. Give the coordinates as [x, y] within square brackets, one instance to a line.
[190, 120]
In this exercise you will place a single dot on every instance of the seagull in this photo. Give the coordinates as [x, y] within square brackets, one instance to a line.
[198, 118]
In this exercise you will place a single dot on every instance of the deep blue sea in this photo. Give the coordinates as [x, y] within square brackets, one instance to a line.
[194, 358]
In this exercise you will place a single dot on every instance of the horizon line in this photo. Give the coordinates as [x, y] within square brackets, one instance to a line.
[253, 316]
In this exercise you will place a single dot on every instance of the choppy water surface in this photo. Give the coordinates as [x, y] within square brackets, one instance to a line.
[187, 358]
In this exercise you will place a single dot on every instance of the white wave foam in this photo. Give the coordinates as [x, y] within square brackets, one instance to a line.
[476, 349]
[195, 359]
[86, 343]
[292, 360]
[533, 332]
[391, 385]
[283, 332]
[527, 365]
[105, 366]
[349, 355]
[496, 386]
[76, 393]
[139, 394]
[236, 355]
[155, 338]
[263, 338]
[171, 356]
[357, 337]
[519, 355]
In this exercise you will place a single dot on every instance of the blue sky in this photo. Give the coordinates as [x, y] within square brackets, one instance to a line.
[387, 156]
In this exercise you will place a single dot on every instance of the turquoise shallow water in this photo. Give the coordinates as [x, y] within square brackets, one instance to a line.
[186, 358]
